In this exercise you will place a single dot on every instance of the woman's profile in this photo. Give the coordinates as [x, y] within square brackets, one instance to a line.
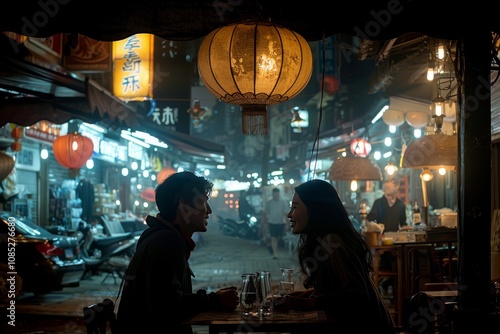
[336, 262]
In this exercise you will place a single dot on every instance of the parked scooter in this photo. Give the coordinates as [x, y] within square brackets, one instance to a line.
[247, 228]
[110, 254]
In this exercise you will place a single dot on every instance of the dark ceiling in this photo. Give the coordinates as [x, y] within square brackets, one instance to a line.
[389, 60]
[190, 19]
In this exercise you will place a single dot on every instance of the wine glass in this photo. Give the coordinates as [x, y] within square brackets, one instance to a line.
[249, 302]
[264, 293]
[286, 284]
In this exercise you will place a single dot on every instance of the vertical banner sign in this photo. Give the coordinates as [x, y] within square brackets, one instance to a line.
[133, 67]
[329, 62]
[172, 85]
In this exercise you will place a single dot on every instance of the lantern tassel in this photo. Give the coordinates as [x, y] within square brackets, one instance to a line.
[73, 173]
[254, 119]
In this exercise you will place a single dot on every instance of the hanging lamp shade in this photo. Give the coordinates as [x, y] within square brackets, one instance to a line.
[254, 64]
[417, 119]
[6, 165]
[393, 117]
[354, 168]
[432, 151]
[72, 151]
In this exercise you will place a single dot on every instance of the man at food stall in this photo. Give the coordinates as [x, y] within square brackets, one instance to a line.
[389, 209]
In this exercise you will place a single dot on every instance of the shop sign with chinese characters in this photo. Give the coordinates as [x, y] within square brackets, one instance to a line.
[133, 67]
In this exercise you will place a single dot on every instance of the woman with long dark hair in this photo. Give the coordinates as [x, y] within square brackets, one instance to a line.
[336, 263]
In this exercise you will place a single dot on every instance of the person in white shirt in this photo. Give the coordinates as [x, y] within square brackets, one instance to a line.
[275, 213]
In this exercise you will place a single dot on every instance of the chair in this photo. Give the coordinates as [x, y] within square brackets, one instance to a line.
[100, 318]
[433, 300]
[422, 267]
[396, 273]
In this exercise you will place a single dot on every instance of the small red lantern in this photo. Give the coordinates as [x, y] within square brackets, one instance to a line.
[17, 134]
[361, 147]
[163, 174]
[330, 84]
[149, 195]
[72, 151]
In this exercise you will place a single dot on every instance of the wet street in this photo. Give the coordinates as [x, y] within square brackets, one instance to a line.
[217, 261]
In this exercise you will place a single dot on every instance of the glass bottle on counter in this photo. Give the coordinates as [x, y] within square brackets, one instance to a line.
[418, 224]
[363, 213]
[417, 217]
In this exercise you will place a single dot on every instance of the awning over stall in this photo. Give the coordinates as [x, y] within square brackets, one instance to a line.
[31, 93]
[193, 149]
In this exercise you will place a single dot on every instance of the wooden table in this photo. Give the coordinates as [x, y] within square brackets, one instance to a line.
[450, 295]
[291, 321]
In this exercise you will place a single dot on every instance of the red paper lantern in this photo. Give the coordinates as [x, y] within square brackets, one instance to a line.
[361, 147]
[72, 151]
[6, 165]
[330, 84]
[17, 134]
[149, 195]
[163, 174]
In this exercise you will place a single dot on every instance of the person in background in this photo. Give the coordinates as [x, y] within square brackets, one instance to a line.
[275, 220]
[389, 209]
[336, 263]
[157, 288]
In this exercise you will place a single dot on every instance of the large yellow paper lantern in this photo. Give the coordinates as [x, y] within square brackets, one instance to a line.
[72, 151]
[254, 64]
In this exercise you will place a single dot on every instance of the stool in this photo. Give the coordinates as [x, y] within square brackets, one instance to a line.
[446, 259]
[395, 274]
[422, 267]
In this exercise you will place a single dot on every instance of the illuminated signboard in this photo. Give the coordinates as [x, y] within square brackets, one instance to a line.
[133, 67]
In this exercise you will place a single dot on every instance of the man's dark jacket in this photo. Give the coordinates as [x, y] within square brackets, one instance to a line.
[157, 289]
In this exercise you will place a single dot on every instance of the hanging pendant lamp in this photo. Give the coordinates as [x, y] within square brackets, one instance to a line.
[354, 168]
[254, 64]
[433, 151]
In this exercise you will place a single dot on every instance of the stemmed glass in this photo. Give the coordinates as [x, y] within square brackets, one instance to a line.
[264, 293]
[249, 302]
[286, 283]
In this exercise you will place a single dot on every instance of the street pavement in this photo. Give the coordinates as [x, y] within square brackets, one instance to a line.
[217, 261]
